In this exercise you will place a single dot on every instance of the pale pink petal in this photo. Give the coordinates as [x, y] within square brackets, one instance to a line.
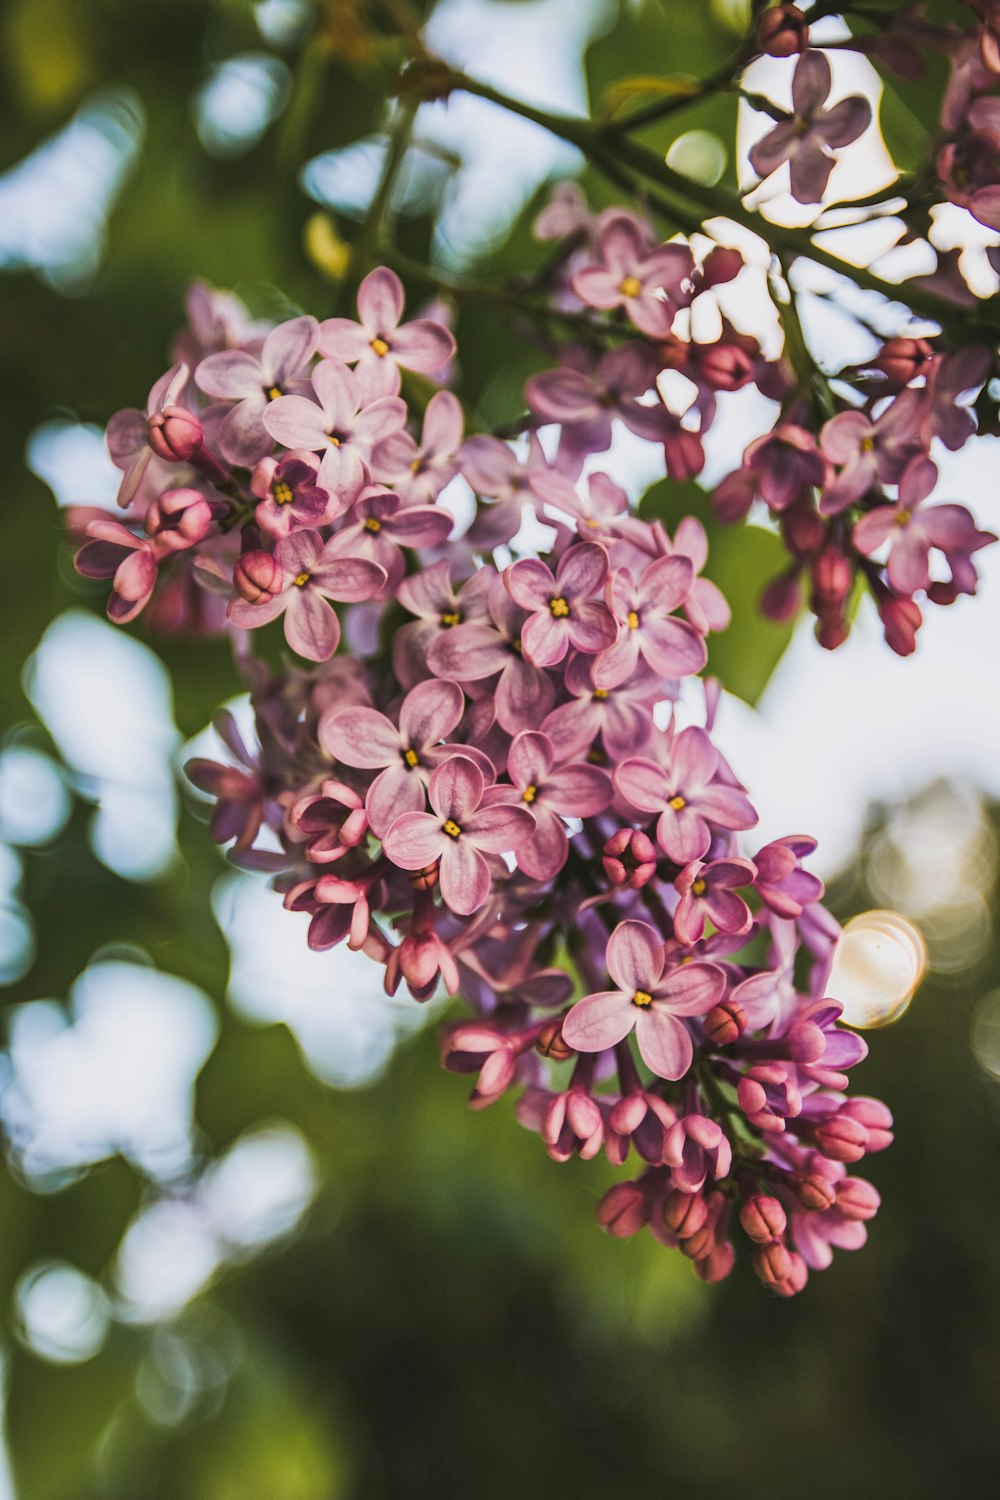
[544, 639]
[395, 791]
[664, 1042]
[415, 840]
[635, 957]
[429, 713]
[287, 348]
[465, 876]
[692, 989]
[529, 760]
[423, 345]
[380, 301]
[600, 1021]
[311, 627]
[673, 648]
[296, 422]
[230, 376]
[456, 789]
[362, 737]
[499, 828]
[543, 854]
[644, 785]
[342, 338]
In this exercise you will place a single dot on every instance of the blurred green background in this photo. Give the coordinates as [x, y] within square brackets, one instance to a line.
[319, 1276]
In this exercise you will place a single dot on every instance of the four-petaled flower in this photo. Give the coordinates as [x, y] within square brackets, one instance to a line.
[912, 530]
[688, 798]
[253, 381]
[648, 630]
[708, 892]
[807, 138]
[562, 609]
[551, 792]
[632, 274]
[648, 999]
[379, 344]
[457, 833]
[343, 424]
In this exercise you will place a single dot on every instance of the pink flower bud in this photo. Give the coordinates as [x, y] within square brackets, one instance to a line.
[717, 1265]
[180, 518]
[874, 1116]
[782, 31]
[685, 1214]
[725, 1023]
[725, 367]
[814, 1192]
[832, 632]
[832, 577]
[842, 1139]
[857, 1199]
[623, 1210]
[772, 1263]
[550, 1042]
[796, 1278]
[629, 858]
[257, 577]
[903, 359]
[734, 495]
[175, 434]
[763, 1219]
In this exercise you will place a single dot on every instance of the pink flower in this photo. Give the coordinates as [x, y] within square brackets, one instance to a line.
[689, 800]
[115, 552]
[379, 344]
[344, 424]
[379, 526]
[364, 738]
[912, 530]
[631, 274]
[252, 381]
[430, 596]
[550, 792]
[585, 400]
[781, 882]
[620, 716]
[289, 495]
[419, 474]
[648, 1000]
[494, 470]
[870, 451]
[164, 428]
[305, 575]
[457, 833]
[647, 630]
[969, 167]
[786, 462]
[477, 649]
[697, 1148]
[708, 892]
[562, 610]
[807, 138]
[331, 821]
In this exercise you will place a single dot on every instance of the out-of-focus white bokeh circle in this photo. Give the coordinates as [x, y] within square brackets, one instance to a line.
[879, 961]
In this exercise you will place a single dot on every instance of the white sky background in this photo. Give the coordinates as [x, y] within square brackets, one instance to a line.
[834, 732]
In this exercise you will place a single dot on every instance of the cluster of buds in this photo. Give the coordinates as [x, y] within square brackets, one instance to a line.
[478, 794]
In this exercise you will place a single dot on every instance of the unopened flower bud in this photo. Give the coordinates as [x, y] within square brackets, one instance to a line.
[725, 1023]
[782, 31]
[180, 518]
[623, 1210]
[763, 1219]
[700, 1244]
[876, 1118]
[684, 1214]
[175, 434]
[717, 1265]
[814, 1192]
[832, 577]
[832, 632]
[257, 577]
[782, 599]
[903, 359]
[550, 1042]
[772, 1262]
[842, 1139]
[857, 1199]
[629, 858]
[796, 1278]
[725, 367]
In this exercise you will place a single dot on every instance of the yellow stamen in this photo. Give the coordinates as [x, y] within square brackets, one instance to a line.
[631, 286]
[302, 580]
[516, 646]
[274, 392]
[282, 494]
[868, 444]
[529, 794]
[632, 620]
[451, 619]
[698, 888]
[600, 694]
[380, 346]
[642, 998]
[559, 607]
[677, 803]
[333, 441]
[412, 758]
[451, 828]
[416, 464]
[372, 525]
[903, 518]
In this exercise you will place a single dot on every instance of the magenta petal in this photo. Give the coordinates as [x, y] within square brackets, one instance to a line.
[499, 828]
[543, 854]
[613, 666]
[465, 877]
[635, 957]
[380, 300]
[726, 807]
[456, 788]
[600, 1021]
[545, 639]
[395, 791]
[664, 1042]
[682, 834]
[415, 840]
[692, 989]
[311, 627]
[423, 345]
[362, 737]
[530, 759]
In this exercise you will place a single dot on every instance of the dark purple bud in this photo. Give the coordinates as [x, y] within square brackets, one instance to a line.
[832, 577]
[782, 31]
[257, 577]
[782, 599]
[772, 1263]
[685, 1214]
[175, 434]
[725, 1023]
[623, 1210]
[903, 359]
[725, 367]
[763, 1219]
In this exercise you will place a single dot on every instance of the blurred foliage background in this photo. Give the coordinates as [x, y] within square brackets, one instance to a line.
[282, 1287]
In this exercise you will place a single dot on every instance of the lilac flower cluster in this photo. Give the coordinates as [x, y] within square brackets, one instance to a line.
[482, 793]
